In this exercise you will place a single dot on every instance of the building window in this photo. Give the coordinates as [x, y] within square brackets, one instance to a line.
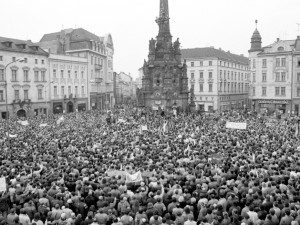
[253, 91]
[298, 64]
[192, 87]
[26, 78]
[277, 62]
[277, 91]
[192, 64]
[69, 74]
[25, 94]
[92, 74]
[282, 91]
[43, 61]
[192, 76]
[201, 63]
[82, 90]
[254, 64]
[62, 90]
[55, 91]
[298, 91]
[62, 74]
[76, 75]
[253, 77]
[264, 77]
[210, 63]
[1, 74]
[76, 90]
[92, 60]
[54, 73]
[40, 93]
[13, 59]
[200, 87]
[277, 76]
[283, 62]
[17, 95]
[210, 75]
[14, 75]
[1, 96]
[82, 75]
[36, 75]
[25, 60]
[283, 76]
[43, 76]
[69, 90]
[264, 91]
[201, 74]
[264, 63]
[210, 88]
[298, 77]
[1, 58]
[36, 61]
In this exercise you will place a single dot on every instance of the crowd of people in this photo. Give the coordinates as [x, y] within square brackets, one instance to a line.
[70, 171]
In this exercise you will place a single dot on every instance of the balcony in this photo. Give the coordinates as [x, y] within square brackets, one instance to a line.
[98, 67]
[210, 80]
[201, 80]
[192, 80]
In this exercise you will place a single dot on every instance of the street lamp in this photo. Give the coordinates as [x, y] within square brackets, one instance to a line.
[49, 92]
[6, 102]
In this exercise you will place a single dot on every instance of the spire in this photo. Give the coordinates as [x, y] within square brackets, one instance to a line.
[163, 20]
[164, 9]
[255, 40]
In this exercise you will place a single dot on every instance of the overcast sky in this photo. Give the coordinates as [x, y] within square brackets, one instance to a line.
[226, 24]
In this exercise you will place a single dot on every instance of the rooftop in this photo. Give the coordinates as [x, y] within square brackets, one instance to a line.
[15, 45]
[209, 52]
[78, 34]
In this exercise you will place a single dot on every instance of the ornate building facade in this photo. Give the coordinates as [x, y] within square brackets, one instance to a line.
[98, 51]
[24, 69]
[165, 81]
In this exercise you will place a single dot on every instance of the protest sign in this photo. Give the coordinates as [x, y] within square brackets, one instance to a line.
[132, 178]
[112, 173]
[24, 123]
[144, 127]
[2, 184]
[238, 126]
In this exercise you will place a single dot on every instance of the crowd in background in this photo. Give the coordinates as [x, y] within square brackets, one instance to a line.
[194, 169]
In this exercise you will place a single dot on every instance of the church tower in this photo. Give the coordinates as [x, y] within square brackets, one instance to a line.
[165, 82]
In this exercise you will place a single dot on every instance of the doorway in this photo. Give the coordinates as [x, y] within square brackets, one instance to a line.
[21, 113]
[70, 107]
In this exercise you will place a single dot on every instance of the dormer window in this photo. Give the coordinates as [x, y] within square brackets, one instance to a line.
[34, 47]
[22, 46]
[280, 48]
[7, 44]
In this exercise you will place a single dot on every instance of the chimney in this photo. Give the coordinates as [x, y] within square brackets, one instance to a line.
[228, 51]
[298, 37]
[278, 39]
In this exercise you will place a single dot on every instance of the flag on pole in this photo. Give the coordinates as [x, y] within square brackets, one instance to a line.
[165, 128]
[187, 150]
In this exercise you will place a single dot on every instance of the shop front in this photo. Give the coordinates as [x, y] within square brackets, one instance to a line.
[271, 106]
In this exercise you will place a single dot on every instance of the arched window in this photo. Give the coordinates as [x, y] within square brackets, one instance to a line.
[280, 48]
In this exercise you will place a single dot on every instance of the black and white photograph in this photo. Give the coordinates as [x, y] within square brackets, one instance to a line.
[150, 112]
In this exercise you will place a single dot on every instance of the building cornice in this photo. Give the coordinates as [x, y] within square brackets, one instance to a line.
[85, 50]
